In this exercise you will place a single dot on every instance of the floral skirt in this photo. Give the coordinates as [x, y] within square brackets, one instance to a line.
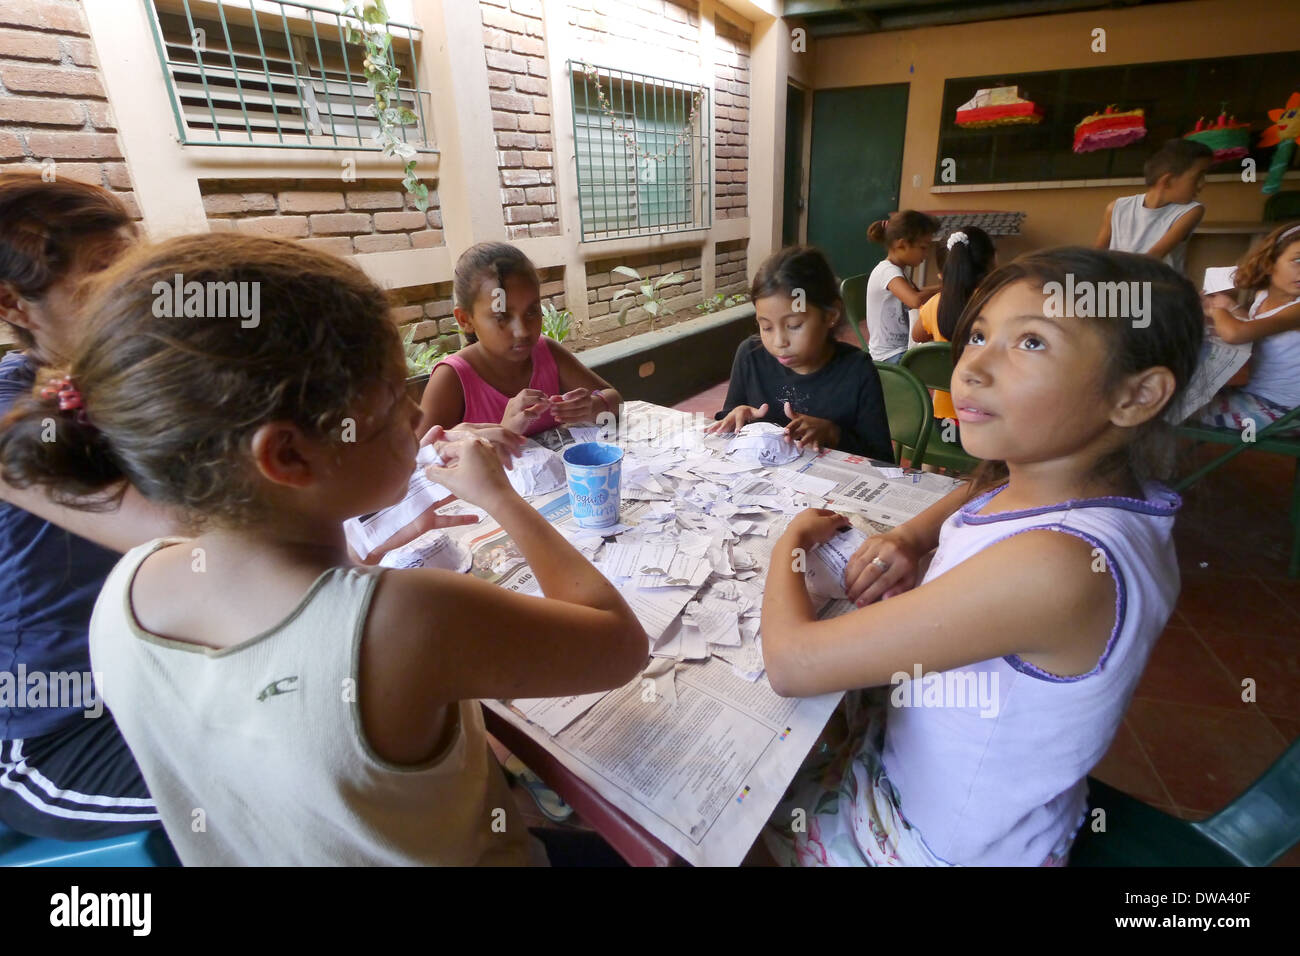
[842, 810]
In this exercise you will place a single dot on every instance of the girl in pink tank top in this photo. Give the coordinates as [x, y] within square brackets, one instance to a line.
[509, 374]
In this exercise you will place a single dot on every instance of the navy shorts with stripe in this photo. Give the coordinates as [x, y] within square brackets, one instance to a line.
[76, 784]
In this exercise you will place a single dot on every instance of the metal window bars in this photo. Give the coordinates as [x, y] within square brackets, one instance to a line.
[642, 151]
[277, 73]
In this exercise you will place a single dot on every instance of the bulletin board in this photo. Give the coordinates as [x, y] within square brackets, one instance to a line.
[1174, 93]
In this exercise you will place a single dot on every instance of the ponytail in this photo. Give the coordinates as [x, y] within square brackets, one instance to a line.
[907, 225]
[970, 254]
[876, 231]
[47, 440]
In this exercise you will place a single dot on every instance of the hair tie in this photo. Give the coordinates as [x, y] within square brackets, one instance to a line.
[69, 396]
[957, 237]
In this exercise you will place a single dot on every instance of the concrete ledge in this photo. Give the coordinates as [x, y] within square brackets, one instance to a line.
[672, 364]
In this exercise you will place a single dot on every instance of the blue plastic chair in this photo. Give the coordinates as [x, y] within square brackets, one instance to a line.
[143, 848]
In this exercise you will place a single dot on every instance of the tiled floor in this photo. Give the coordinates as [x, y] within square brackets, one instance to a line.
[1189, 743]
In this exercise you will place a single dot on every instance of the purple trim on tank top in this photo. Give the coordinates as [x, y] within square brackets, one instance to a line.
[1140, 506]
[1017, 663]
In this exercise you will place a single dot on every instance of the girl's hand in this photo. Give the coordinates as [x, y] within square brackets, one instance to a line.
[807, 430]
[573, 407]
[1218, 300]
[507, 444]
[885, 565]
[736, 419]
[524, 409]
[814, 526]
[472, 471]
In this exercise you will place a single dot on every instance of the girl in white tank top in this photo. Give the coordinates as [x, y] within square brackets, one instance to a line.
[1002, 678]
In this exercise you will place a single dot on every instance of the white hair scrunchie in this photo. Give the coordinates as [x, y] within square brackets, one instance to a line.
[955, 238]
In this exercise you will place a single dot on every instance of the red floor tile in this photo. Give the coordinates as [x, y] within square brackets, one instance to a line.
[1126, 767]
[1234, 603]
[706, 402]
[1272, 662]
[1205, 756]
[1182, 670]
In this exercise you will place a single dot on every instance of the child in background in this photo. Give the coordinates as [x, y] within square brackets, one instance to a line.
[963, 260]
[795, 373]
[1272, 322]
[509, 373]
[907, 237]
[1067, 416]
[1159, 222]
[329, 715]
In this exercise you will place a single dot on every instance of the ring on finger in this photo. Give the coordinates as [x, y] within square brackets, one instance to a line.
[882, 565]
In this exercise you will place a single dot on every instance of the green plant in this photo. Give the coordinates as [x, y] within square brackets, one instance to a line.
[422, 357]
[382, 76]
[556, 323]
[717, 302]
[651, 302]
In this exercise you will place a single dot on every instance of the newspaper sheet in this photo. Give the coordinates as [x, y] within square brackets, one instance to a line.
[1219, 361]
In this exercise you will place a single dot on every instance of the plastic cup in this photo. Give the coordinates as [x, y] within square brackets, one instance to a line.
[594, 470]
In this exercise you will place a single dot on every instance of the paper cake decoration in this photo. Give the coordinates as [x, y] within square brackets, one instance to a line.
[1109, 129]
[1282, 134]
[1229, 139]
[998, 106]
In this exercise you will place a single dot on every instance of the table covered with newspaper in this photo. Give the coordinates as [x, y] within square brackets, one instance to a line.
[698, 749]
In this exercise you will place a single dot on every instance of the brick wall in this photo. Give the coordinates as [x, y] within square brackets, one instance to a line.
[671, 26]
[602, 283]
[340, 218]
[515, 48]
[730, 266]
[53, 105]
[428, 307]
[731, 121]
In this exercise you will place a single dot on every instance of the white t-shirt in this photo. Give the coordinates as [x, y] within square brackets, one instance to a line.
[1275, 372]
[887, 318]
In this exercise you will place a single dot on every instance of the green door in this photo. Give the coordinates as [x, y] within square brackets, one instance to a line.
[857, 165]
[792, 204]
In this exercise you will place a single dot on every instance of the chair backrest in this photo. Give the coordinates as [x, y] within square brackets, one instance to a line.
[1264, 822]
[853, 291]
[931, 363]
[907, 404]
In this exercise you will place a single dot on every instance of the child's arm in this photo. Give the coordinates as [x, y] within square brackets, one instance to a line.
[1183, 227]
[1033, 594]
[443, 401]
[900, 551]
[912, 297]
[1103, 236]
[580, 403]
[133, 522]
[433, 637]
[919, 332]
[1235, 331]
[736, 413]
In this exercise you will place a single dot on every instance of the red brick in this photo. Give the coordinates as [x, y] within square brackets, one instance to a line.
[435, 217]
[339, 246]
[540, 194]
[536, 67]
[41, 112]
[389, 243]
[520, 177]
[516, 214]
[80, 51]
[503, 20]
[542, 105]
[511, 102]
[27, 45]
[509, 62]
[508, 140]
[527, 8]
[219, 204]
[532, 84]
[11, 147]
[537, 160]
[495, 39]
[101, 115]
[517, 231]
[333, 224]
[527, 46]
[92, 173]
[311, 201]
[118, 175]
[406, 313]
[67, 82]
[290, 227]
[512, 197]
[42, 15]
[427, 239]
[532, 123]
[391, 221]
[75, 145]
[509, 159]
[544, 141]
[223, 225]
[507, 121]
[500, 80]
[375, 199]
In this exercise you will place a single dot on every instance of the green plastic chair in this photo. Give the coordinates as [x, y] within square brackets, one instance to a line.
[853, 291]
[907, 404]
[1266, 439]
[1254, 830]
[932, 364]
